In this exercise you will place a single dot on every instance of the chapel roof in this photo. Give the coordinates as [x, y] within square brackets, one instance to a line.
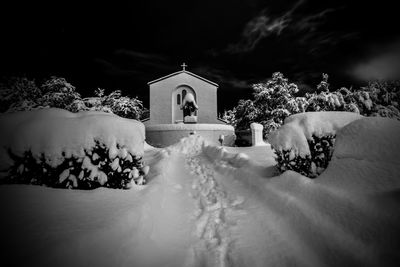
[183, 71]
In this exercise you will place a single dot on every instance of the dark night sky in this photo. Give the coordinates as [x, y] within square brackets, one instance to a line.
[235, 43]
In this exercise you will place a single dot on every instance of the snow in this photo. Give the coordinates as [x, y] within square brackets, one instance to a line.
[195, 127]
[189, 98]
[357, 140]
[368, 151]
[299, 128]
[214, 206]
[55, 133]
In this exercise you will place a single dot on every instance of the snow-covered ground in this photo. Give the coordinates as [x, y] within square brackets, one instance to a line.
[212, 206]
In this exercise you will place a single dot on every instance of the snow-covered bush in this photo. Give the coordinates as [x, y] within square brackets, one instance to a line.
[95, 170]
[75, 150]
[229, 117]
[321, 150]
[58, 93]
[325, 101]
[20, 94]
[123, 106]
[384, 97]
[305, 142]
[276, 99]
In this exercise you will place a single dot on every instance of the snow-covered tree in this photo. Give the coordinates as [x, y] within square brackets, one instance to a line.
[384, 98]
[114, 102]
[19, 94]
[229, 117]
[245, 113]
[59, 93]
[273, 101]
[276, 99]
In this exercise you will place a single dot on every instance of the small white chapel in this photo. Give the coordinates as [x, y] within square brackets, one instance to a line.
[184, 103]
[167, 95]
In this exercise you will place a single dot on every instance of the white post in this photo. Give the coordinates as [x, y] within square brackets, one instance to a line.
[257, 134]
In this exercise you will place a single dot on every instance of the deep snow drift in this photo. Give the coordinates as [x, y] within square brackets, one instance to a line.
[205, 206]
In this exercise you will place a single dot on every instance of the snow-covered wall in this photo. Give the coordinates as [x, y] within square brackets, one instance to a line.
[162, 135]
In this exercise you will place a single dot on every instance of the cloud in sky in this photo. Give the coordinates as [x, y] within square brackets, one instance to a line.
[384, 63]
[257, 29]
[292, 21]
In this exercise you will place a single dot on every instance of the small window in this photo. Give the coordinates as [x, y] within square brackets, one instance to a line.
[178, 99]
[183, 93]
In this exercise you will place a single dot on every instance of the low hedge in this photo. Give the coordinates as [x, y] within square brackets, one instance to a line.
[321, 150]
[94, 170]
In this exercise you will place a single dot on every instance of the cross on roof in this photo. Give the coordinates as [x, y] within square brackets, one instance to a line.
[184, 66]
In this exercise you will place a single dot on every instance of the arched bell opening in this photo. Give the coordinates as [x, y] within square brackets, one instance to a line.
[178, 95]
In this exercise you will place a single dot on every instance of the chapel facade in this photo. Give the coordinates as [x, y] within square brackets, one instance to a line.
[168, 95]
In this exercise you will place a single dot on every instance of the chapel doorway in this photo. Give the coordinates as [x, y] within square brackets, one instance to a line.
[177, 98]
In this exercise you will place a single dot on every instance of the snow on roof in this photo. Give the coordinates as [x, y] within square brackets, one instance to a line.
[301, 127]
[183, 71]
[57, 133]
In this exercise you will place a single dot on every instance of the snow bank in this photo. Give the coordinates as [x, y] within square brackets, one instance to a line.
[299, 128]
[56, 134]
[373, 139]
[366, 157]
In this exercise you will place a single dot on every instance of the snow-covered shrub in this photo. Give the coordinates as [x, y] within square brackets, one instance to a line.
[229, 117]
[84, 150]
[275, 100]
[20, 94]
[58, 93]
[321, 149]
[387, 111]
[385, 98]
[325, 101]
[123, 106]
[305, 142]
[323, 86]
[94, 170]
[378, 98]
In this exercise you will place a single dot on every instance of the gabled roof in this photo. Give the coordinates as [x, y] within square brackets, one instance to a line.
[183, 71]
